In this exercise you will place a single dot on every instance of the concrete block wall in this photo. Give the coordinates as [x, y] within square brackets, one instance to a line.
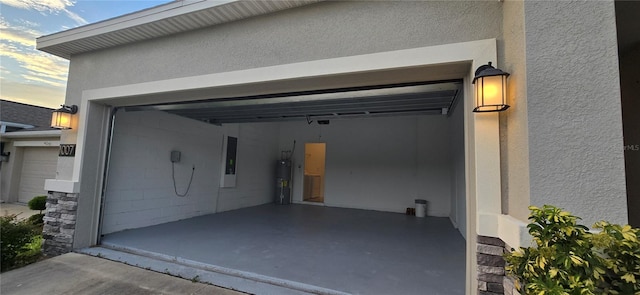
[378, 163]
[140, 189]
[257, 155]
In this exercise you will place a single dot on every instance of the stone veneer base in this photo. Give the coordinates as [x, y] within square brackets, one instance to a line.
[491, 275]
[59, 223]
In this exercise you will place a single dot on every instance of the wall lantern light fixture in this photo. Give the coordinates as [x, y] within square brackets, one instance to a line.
[490, 89]
[61, 118]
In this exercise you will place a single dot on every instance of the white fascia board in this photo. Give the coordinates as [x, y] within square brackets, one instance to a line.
[36, 143]
[19, 125]
[33, 134]
[161, 12]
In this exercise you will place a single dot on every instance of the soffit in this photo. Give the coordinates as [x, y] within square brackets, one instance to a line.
[164, 20]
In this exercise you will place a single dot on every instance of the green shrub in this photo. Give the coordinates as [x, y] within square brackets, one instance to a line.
[38, 203]
[568, 259]
[620, 251]
[14, 238]
[31, 252]
[36, 219]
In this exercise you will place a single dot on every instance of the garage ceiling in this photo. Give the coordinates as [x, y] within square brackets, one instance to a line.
[371, 101]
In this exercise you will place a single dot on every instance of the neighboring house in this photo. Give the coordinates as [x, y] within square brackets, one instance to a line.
[29, 149]
[395, 80]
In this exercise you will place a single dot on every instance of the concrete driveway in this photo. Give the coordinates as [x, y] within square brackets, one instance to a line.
[74, 273]
[21, 210]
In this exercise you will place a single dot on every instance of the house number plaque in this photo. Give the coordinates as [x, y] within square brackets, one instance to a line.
[67, 150]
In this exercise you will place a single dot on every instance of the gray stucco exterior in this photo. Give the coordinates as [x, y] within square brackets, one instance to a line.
[576, 156]
[313, 32]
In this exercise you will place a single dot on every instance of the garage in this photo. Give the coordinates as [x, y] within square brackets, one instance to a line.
[208, 168]
[390, 143]
[39, 164]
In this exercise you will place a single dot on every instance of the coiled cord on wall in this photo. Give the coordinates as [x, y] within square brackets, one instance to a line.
[173, 176]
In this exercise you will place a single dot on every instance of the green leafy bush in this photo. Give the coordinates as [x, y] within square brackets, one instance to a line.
[568, 259]
[31, 252]
[36, 219]
[620, 251]
[15, 236]
[38, 203]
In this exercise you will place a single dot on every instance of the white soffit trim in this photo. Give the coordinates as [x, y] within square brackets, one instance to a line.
[33, 134]
[164, 20]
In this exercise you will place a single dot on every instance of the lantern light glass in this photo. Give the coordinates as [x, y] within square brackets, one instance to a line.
[490, 89]
[62, 118]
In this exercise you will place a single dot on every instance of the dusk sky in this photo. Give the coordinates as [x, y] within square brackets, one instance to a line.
[34, 77]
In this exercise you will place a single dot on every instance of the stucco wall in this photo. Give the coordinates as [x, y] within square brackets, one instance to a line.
[318, 31]
[379, 163]
[573, 109]
[513, 122]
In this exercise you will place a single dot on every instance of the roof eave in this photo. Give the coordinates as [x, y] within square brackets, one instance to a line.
[108, 33]
[32, 134]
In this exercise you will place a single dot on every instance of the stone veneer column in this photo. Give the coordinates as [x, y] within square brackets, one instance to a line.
[491, 275]
[59, 223]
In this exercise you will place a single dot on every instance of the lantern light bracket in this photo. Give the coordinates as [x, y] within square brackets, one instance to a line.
[487, 71]
[72, 109]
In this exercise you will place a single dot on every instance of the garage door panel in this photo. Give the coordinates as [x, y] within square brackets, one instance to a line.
[38, 170]
[39, 164]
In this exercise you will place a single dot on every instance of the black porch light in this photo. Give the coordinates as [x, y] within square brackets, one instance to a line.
[61, 118]
[490, 89]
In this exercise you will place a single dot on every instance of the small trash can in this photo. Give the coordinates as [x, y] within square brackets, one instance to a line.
[421, 208]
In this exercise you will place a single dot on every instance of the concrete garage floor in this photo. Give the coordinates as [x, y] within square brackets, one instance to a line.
[348, 250]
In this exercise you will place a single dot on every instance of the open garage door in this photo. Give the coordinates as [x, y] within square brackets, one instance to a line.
[420, 98]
